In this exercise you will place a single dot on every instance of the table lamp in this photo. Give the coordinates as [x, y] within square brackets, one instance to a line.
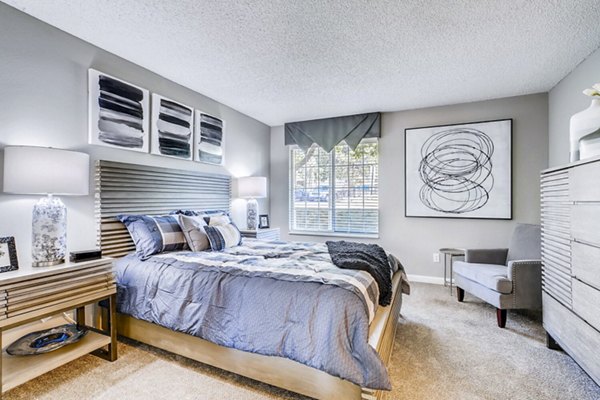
[251, 188]
[47, 171]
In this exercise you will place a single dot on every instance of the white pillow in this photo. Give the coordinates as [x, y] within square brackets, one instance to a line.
[193, 230]
[217, 220]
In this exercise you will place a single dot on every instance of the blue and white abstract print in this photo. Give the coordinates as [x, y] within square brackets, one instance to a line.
[118, 113]
[172, 128]
[209, 138]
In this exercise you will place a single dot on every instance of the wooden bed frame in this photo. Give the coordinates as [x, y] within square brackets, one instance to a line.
[128, 188]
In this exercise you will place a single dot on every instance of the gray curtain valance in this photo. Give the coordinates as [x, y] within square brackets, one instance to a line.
[329, 132]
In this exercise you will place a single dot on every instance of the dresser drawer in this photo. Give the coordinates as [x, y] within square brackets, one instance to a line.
[584, 182]
[576, 337]
[585, 222]
[586, 300]
[586, 263]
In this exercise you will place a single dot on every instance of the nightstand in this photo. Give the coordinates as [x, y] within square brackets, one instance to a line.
[262, 234]
[30, 294]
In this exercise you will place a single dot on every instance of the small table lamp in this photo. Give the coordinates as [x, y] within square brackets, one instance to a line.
[251, 188]
[41, 170]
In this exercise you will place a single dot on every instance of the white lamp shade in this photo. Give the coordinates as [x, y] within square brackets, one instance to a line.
[252, 187]
[41, 170]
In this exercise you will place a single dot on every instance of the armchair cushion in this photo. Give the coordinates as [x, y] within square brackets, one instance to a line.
[486, 256]
[492, 276]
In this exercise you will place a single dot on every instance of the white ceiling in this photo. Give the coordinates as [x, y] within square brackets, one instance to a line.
[280, 61]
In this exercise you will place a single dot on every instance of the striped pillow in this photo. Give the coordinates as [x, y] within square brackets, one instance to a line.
[223, 236]
[154, 234]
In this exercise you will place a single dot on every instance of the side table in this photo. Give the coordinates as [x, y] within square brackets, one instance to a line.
[449, 255]
[262, 233]
[29, 295]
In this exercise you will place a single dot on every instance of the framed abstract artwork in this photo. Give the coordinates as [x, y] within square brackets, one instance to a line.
[172, 128]
[8, 254]
[209, 139]
[459, 171]
[118, 113]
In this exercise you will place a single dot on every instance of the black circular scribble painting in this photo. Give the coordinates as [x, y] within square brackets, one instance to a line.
[456, 170]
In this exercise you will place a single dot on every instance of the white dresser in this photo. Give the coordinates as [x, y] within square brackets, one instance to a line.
[571, 261]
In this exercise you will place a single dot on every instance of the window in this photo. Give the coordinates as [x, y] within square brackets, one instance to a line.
[336, 192]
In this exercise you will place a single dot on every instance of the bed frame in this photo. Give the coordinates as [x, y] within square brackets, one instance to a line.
[128, 188]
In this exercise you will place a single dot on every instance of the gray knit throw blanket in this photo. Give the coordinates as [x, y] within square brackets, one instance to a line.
[365, 257]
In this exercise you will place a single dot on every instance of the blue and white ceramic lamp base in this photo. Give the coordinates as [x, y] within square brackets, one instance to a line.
[49, 232]
[252, 214]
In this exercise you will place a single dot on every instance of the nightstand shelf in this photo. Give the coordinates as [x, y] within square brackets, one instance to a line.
[30, 294]
[262, 234]
[18, 370]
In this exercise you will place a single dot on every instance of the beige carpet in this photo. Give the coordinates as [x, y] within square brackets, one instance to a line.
[443, 350]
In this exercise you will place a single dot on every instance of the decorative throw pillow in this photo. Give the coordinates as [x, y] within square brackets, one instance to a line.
[219, 220]
[206, 213]
[193, 230]
[223, 236]
[189, 213]
[154, 234]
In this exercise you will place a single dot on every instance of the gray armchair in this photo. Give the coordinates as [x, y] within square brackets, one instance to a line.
[505, 278]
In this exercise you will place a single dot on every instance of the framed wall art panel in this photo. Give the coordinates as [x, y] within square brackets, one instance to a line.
[209, 139]
[459, 171]
[172, 128]
[118, 113]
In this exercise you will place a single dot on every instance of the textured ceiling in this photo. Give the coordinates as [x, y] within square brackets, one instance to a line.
[280, 61]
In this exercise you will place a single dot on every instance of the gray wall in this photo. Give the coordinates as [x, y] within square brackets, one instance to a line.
[414, 240]
[43, 102]
[566, 99]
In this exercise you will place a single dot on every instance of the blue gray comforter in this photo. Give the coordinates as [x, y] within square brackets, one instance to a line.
[276, 299]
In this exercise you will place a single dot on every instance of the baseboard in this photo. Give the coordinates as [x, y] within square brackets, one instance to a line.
[436, 280]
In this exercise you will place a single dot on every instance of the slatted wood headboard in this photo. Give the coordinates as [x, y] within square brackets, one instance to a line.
[136, 189]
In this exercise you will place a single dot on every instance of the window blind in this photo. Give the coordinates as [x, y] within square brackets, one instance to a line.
[336, 192]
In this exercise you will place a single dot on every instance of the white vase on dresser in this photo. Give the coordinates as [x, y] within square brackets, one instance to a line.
[582, 124]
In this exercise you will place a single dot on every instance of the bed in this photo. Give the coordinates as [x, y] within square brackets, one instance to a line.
[319, 370]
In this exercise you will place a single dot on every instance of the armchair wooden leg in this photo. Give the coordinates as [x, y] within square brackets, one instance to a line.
[460, 294]
[501, 316]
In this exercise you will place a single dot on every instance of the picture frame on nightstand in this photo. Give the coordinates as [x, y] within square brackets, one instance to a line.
[263, 221]
[8, 254]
